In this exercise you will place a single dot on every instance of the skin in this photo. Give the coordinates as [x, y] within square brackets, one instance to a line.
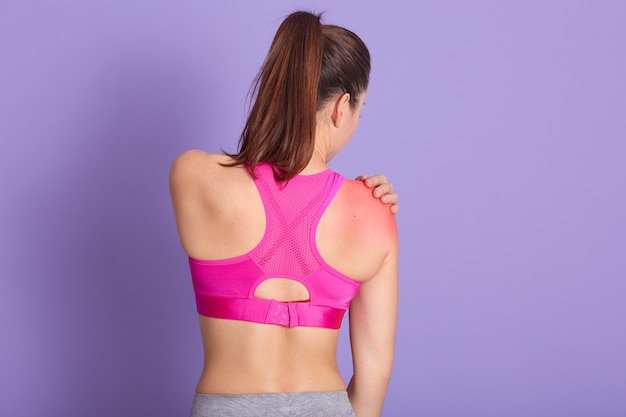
[220, 215]
[382, 189]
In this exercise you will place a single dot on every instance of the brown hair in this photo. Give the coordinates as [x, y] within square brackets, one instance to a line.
[308, 64]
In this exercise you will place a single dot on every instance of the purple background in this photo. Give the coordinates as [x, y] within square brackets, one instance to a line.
[501, 124]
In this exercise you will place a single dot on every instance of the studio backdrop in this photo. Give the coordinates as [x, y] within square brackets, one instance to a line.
[502, 125]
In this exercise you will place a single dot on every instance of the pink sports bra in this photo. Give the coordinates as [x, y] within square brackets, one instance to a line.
[225, 288]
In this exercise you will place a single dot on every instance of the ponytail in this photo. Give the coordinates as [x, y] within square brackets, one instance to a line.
[307, 65]
[280, 128]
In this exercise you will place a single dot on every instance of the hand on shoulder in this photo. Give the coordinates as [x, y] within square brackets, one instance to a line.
[375, 195]
[381, 189]
[368, 210]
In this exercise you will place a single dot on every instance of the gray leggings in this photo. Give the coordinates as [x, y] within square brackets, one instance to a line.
[301, 404]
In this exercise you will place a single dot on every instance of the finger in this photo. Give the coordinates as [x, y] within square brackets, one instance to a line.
[390, 198]
[395, 208]
[383, 189]
[375, 180]
[361, 177]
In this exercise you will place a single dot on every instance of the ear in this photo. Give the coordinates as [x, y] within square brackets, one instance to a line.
[340, 107]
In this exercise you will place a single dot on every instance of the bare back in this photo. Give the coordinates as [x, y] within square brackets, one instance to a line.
[220, 215]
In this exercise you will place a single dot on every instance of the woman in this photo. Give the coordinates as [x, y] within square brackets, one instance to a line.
[279, 245]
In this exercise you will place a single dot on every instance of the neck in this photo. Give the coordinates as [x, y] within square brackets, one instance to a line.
[316, 164]
[318, 160]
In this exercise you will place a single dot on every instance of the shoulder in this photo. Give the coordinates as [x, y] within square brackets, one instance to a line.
[360, 199]
[364, 212]
[199, 168]
[193, 162]
[357, 233]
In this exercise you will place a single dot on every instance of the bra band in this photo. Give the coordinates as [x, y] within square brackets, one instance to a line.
[265, 311]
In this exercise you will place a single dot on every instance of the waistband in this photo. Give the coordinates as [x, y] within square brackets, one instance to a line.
[300, 404]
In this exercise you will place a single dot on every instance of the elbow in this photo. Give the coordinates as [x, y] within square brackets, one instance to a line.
[376, 369]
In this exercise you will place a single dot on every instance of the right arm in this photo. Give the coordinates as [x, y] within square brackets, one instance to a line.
[373, 317]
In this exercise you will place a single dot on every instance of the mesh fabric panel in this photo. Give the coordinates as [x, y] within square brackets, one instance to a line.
[291, 211]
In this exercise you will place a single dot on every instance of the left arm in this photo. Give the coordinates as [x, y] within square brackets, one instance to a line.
[373, 318]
